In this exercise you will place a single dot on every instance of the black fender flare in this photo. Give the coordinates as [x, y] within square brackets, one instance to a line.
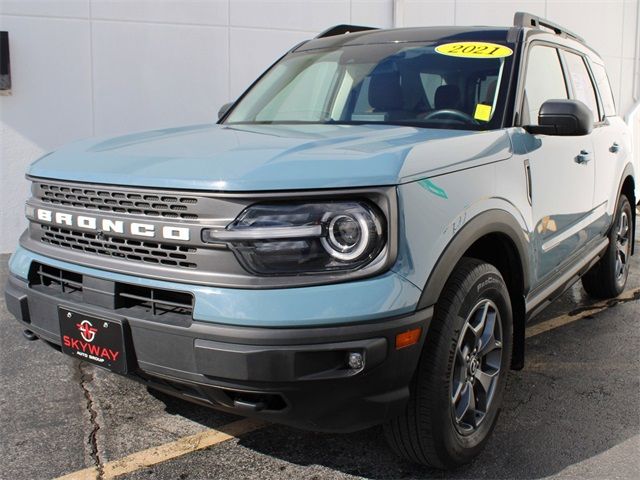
[488, 222]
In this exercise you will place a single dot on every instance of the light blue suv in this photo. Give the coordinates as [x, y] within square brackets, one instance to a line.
[359, 240]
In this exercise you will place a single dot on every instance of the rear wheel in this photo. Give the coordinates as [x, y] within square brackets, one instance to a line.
[457, 390]
[608, 277]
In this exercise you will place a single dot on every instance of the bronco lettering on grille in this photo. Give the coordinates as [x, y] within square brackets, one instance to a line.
[148, 230]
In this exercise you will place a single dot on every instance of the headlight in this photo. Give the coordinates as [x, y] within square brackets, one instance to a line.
[301, 238]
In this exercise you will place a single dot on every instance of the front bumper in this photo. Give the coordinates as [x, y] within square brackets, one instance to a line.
[294, 376]
[363, 301]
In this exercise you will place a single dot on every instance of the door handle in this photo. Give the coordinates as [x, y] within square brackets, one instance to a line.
[615, 148]
[584, 157]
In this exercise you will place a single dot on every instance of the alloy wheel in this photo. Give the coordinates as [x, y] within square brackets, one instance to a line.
[477, 367]
[623, 246]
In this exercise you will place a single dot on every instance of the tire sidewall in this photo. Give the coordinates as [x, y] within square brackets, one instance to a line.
[623, 205]
[486, 285]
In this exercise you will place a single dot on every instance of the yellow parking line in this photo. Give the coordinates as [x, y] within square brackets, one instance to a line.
[168, 451]
[210, 437]
[566, 319]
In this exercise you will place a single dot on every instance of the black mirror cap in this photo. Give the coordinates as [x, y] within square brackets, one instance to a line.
[563, 117]
[224, 109]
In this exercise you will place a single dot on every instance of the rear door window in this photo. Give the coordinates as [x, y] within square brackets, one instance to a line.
[604, 87]
[581, 80]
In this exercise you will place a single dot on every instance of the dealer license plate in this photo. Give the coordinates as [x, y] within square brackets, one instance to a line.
[95, 340]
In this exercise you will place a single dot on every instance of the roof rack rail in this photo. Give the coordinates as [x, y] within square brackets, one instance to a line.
[524, 19]
[342, 29]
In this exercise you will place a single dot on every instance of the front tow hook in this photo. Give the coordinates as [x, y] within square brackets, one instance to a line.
[29, 335]
[249, 406]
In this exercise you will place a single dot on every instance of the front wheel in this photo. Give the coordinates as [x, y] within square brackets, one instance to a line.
[458, 387]
[608, 277]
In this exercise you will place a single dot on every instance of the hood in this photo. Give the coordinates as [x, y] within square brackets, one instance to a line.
[271, 157]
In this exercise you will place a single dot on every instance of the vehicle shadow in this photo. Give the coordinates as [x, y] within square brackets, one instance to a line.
[576, 398]
[532, 439]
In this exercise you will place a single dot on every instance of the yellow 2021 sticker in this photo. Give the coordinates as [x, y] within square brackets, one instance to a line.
[474, 50]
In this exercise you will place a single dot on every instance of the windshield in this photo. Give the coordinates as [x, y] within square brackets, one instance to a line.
[399, 83]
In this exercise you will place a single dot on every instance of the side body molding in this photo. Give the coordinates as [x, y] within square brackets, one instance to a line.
[489, 222]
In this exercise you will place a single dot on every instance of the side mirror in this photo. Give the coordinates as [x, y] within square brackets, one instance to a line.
[224, 109]
[563, 117]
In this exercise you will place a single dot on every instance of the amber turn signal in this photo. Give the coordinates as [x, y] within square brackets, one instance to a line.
[406, 339]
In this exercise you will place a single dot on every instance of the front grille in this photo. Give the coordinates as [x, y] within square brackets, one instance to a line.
[144, 302]
[135, 250]
[119, 201]
[90, 224]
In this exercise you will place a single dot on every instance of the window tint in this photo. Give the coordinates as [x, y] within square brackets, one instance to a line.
[581, 81]
[602, 81]
[544, 81]
[486, 90]
[430, 83]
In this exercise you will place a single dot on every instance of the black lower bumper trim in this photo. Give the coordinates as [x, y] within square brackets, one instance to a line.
[295, 376]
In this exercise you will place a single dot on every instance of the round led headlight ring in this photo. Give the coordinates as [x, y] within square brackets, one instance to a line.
[348, 236]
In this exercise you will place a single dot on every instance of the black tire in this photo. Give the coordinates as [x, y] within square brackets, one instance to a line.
[427, 431]
[606, 279]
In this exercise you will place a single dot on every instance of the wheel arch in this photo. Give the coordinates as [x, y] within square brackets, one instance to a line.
[628, 188]
[495, 237]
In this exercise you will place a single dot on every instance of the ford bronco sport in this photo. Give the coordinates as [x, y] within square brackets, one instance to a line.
[359, 240]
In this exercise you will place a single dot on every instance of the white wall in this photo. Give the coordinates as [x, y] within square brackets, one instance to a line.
[104, 67]
[633, 119]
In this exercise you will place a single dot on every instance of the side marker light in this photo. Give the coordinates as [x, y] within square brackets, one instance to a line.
[406, 339]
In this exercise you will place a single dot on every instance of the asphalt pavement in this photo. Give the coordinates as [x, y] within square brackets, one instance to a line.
[573, 412]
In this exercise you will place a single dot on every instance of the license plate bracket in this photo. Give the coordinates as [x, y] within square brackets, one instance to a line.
[93, 339]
